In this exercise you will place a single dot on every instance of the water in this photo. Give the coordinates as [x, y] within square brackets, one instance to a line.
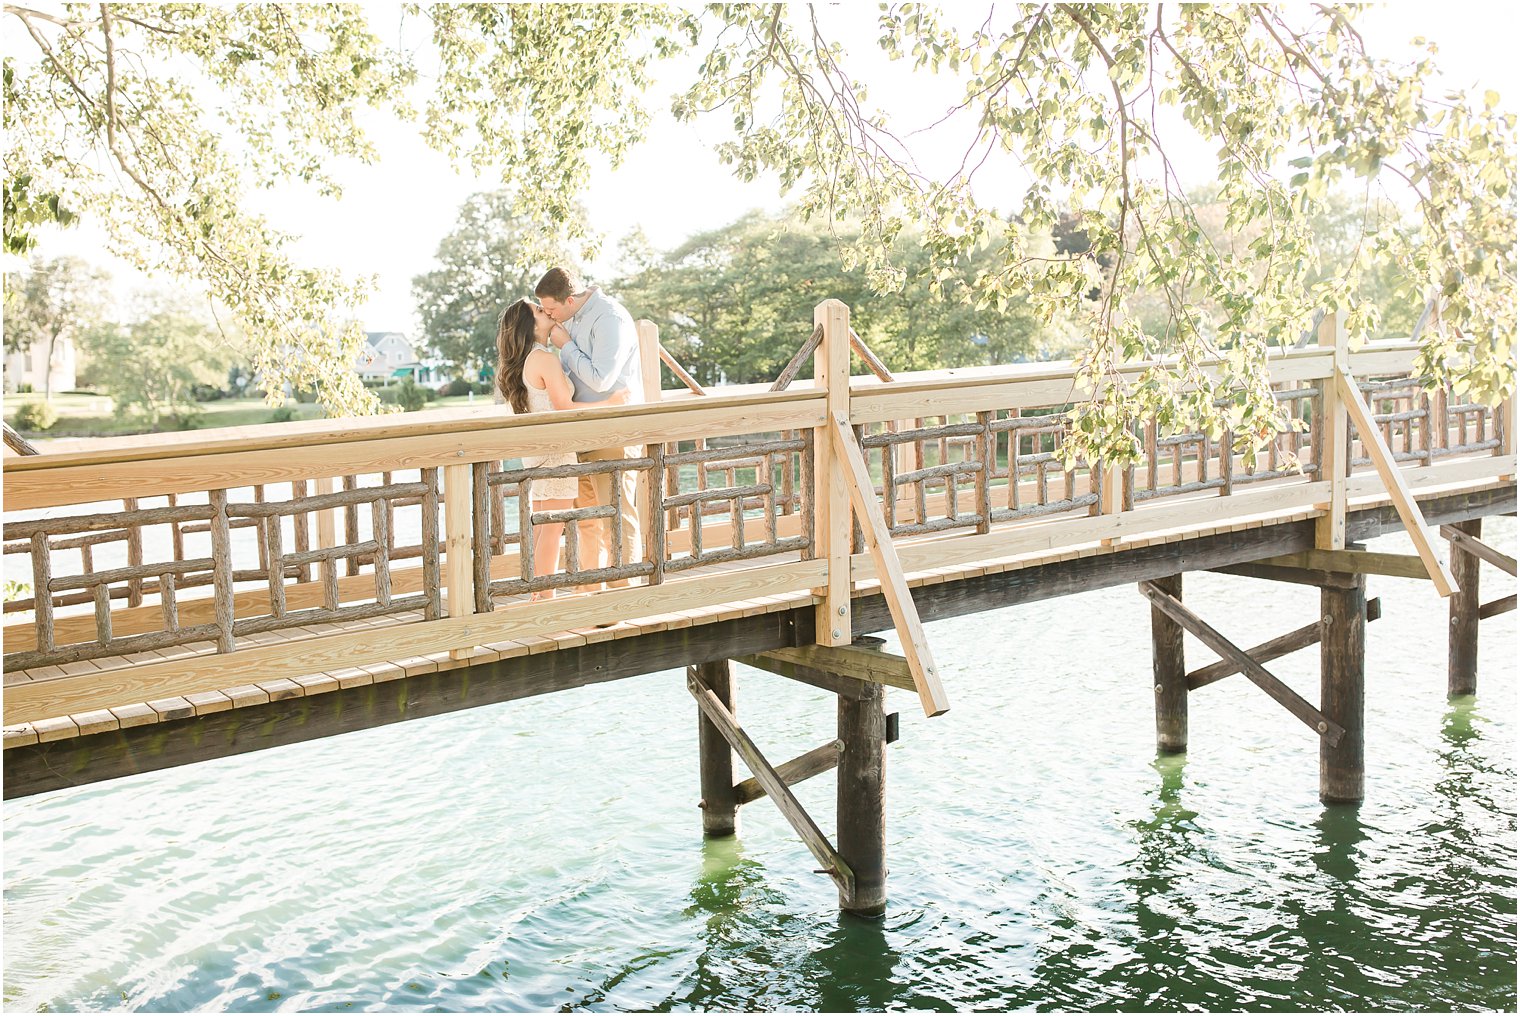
[546, 854]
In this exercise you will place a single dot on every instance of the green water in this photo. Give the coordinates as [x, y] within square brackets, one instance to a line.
[546, 854]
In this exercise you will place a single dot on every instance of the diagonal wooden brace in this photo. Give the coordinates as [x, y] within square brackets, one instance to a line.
[889, 569]
[772, 783]
[803, 767]
[1477, 548]
[1292, 642]
[1393, 479]
[1290, 700]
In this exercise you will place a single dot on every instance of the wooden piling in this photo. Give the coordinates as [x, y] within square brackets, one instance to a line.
[1462, 650]
[1171, 674]
[720, 804]
[1342, 670]
[862, 804]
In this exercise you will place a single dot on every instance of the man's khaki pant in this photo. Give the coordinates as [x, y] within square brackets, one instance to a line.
[596, 534]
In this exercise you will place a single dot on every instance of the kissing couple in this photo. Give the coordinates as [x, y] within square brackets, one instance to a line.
[570, 348]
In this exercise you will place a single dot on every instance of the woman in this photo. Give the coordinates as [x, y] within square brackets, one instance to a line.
[530, 378]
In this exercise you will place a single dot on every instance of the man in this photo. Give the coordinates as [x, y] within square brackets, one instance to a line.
[599, 348]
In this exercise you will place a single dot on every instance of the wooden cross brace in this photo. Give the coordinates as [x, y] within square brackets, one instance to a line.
[1292, 642]
[1289, 699]
[772, 783]
[1470, 544]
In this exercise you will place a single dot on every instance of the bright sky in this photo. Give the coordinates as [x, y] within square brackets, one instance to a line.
[394, 213]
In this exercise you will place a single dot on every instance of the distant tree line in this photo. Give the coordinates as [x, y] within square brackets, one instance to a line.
[734, 303]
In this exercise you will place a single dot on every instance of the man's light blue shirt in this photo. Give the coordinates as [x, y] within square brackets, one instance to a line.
[602, 356]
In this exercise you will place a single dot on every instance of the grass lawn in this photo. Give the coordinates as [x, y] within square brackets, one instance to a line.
[89, 415]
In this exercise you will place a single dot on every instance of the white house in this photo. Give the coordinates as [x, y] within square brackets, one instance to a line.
[30, 366]
[392, 355]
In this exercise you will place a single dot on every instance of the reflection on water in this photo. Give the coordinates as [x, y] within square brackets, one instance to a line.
[546, 854]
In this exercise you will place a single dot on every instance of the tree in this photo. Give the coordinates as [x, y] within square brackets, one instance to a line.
[50, 302]
[106, 113]
[481, 271]
[735, 304]
[157, 360]
[1087, 100]
[1064, 108]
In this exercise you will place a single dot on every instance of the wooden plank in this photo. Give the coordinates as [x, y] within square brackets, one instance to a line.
[498, 435]
[1330, 528]
[1477, 548]
[135, 714]
[459, 550]
[1279, 692]
[733, 402]
[1361, 487]
[846, 687]
[19, 735]
[889, 570]
[55, 728]
[1385, 359]
[1502, 605]
[95, 722]
[972, 390]
[832, 527]
[1393, 478]
[1353, 562]
[209, 702]
[680, 372]
[292, 721]
[775, 788]
[803, 767]
[271, 663]
[859, 661]
[1292, 642]
[649, 375]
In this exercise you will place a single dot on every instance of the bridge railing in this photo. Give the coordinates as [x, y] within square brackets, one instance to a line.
[182, 564]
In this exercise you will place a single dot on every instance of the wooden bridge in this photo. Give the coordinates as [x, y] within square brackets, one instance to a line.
[211, 593]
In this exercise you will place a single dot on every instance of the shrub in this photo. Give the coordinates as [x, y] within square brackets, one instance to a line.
[206, 393]
[456, 387]
[282, 415]
[36, 416]
[24, 388]
[410, 396]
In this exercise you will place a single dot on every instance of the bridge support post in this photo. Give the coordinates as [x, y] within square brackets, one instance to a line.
[1462, 652]
[1342, 672]
[861, 811]
[1171, 674]
[720, 806]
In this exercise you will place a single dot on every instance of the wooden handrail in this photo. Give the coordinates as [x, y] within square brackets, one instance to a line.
[74, 478]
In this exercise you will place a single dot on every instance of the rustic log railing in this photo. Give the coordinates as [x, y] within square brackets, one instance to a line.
[183, 563]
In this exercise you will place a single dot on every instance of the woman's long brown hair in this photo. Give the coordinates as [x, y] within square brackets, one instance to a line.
[514, 341]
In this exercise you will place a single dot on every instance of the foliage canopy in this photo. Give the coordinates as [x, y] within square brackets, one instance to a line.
[157, 120]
